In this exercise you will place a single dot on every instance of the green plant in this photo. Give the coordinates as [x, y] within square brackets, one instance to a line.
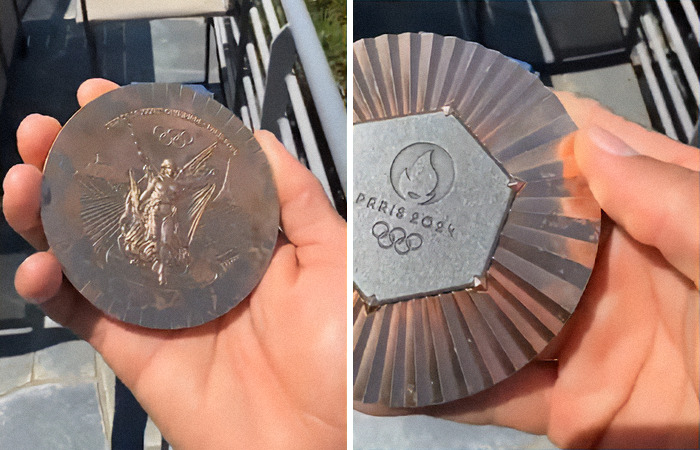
[330, 21]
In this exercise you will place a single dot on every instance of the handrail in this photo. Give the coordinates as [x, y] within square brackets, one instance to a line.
[329, 104]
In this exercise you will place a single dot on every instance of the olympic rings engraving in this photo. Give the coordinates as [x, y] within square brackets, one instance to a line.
[388, 237]
[172, 136]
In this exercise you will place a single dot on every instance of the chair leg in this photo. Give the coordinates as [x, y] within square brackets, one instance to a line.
[245, 30]
[3, 59]
[129, 419]
[207, 45]
[21, 35]
[91, 40]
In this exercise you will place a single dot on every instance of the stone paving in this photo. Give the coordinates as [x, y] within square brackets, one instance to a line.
[424, 432]
[63, 393]
[55, 390]
[59, 397]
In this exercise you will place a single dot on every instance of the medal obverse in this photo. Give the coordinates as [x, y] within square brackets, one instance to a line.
[474, 236]
[160, 206]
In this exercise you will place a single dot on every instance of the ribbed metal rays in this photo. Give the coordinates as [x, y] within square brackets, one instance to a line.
[436, 349]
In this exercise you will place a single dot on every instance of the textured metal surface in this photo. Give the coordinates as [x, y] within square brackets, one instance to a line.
[443, 213]
[455, 342]
[160, 206]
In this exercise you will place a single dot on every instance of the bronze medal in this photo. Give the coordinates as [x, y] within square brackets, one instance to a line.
[160, 206]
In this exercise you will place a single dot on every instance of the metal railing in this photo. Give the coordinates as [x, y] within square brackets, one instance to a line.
[266, 51]
[665, 59]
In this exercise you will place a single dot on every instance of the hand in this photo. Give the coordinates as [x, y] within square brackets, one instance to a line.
[628, 371]
[270, 373]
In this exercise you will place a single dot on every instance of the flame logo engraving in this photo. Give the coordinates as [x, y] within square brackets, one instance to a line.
[422, 173]
[419, 181]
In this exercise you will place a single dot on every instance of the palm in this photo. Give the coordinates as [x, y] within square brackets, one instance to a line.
[625, 351]
[259, 364]
[625, 375]
[628, 365]
[262, 363]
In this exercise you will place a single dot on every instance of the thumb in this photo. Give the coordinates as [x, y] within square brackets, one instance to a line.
[306, 214]
[657, 203]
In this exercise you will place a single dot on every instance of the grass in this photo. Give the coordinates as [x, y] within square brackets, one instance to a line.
[330, 21]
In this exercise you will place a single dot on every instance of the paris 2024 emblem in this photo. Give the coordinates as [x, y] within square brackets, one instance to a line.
[422, 173]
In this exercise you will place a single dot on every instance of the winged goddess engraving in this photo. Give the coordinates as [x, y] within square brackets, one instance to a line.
[153, 232]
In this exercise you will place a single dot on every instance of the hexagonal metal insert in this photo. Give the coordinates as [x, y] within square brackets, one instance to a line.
[428, 206]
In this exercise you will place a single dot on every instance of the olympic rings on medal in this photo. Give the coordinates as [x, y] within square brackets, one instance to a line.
[172, 136]
[388, 237]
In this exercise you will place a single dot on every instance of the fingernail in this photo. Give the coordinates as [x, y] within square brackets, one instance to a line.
[34, 116]
[610, 143]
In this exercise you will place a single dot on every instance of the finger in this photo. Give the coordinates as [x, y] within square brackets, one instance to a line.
[587, 113]
[93, 88]
[70, 309]
[125, 347]
[22, 203]
[606, 339]
[657, 203]
[307, 216]
[35, 135]
[39, 277]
